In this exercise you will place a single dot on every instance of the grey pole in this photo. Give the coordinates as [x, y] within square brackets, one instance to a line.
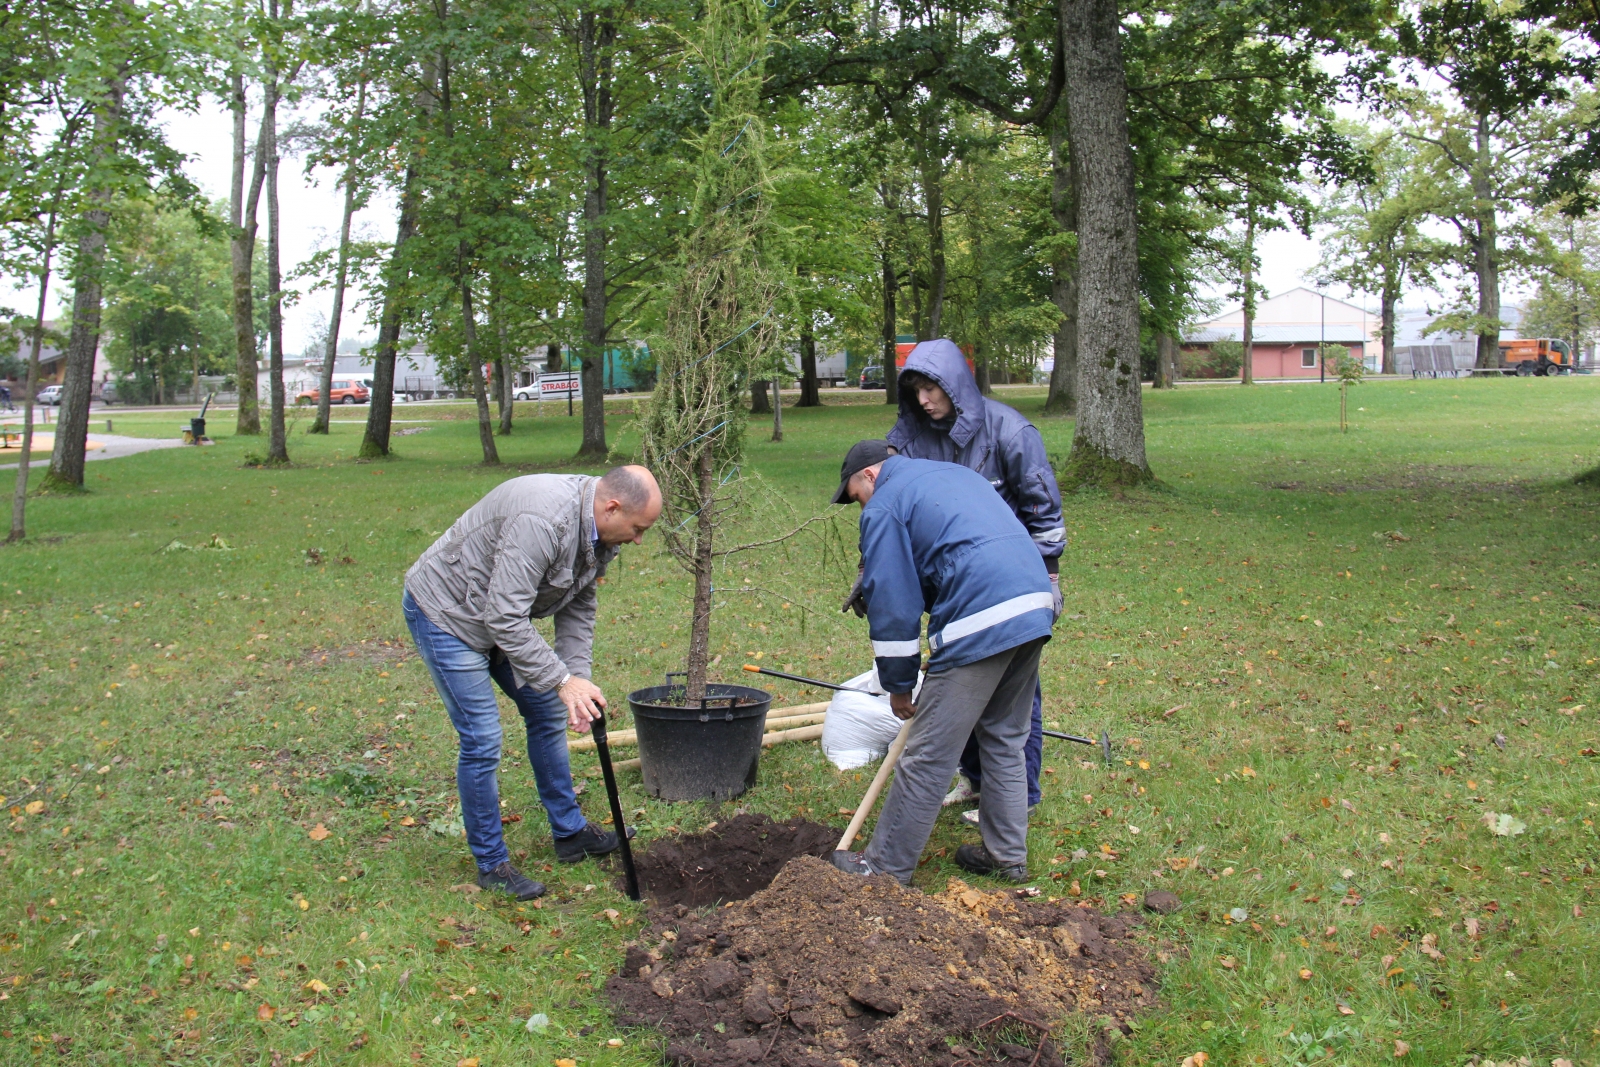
[1322, 344]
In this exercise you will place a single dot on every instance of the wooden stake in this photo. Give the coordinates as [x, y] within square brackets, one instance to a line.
[876, 787]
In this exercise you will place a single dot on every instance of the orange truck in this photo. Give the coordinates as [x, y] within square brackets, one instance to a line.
[1536, 355]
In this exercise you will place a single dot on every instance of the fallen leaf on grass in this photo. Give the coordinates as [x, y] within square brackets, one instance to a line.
[1503, 825]
[1199, 1059]
[566, 1063]
[306, 1055]
[33, 807]
[1472, 927]
[1401, 1048]
[1430, 947]
[470, 1061]
[1305, 974]
[320, 833]
[466, 887]
[408, 821]
[316, 985]
[1228, 962]
[1345, 1009]
[266, 1012]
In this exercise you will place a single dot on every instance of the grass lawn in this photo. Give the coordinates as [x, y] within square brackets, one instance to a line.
[1328, 662]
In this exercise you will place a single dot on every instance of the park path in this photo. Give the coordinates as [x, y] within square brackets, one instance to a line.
[111, 446]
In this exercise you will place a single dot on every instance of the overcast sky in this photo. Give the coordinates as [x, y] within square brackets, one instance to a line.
[311, 206]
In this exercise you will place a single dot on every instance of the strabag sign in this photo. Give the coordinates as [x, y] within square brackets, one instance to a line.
[559, 386]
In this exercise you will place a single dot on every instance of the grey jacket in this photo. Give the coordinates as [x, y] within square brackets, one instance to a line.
[987, 436]
[525, 551]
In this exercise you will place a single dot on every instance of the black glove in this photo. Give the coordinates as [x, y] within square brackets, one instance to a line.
[855, 601]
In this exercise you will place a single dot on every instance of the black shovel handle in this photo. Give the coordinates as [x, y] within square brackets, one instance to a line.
[1104, 743]
[753, 669]
[598, 726]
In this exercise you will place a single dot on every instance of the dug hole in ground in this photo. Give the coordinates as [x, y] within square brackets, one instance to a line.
[756, 950]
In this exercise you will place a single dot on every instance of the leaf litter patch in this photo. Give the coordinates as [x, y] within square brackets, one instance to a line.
[376, 652]
[821, 968]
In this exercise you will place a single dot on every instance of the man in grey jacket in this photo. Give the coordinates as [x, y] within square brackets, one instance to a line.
[532, 548]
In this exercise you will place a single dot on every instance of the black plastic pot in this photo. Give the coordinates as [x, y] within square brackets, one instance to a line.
[708, 749]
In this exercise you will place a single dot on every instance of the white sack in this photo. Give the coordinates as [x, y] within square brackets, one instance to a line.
[859, 727]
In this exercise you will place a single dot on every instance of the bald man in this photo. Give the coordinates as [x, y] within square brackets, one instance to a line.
[533, 548]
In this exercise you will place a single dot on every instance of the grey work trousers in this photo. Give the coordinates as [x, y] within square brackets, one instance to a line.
[992, 701]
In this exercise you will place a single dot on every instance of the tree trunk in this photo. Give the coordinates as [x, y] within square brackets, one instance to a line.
[242, 210]
[597, 35]
[891, 381]
[810, 393]
[72, 413]
[700, 621]
[1389, 300]
[19, 499]
[375, 440]
[508, 382]
[277, 434]
[1108, 442]
[980, 343]
[933, 199]
[469, 329]
[1063, 395]
[777, 409]
[1162, 379]
[325, 395]
[760, 403]
[1486, 253]
[1247, 366]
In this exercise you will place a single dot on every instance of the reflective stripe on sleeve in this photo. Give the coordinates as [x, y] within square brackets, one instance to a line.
[891, 649]
[1051, 537]
[982, 620]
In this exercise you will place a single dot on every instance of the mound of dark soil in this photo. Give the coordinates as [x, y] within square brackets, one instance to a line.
[823, 968]
[729, 861]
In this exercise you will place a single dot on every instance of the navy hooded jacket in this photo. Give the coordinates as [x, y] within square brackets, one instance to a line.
[986, 436]
[936, 539]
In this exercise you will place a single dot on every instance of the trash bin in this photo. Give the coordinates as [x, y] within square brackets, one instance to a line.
[197, 429]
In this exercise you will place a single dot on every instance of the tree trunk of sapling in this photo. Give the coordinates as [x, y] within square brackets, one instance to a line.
[700, 623]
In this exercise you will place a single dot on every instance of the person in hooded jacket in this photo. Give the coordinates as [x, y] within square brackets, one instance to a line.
[943, 416]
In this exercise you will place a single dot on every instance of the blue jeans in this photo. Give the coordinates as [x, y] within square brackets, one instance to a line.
[462, 675]
[1032, 751]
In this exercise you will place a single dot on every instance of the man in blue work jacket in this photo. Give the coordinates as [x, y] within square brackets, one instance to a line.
[944, 416]
[937, 539]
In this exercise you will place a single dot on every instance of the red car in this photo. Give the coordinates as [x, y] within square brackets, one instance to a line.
[344, 391]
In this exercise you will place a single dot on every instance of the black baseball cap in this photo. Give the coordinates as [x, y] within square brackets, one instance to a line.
[862, 454]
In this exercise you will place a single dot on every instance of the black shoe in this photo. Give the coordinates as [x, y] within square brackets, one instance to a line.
[976, 858]
[590, 841]
[510, 881]
[851, 863]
